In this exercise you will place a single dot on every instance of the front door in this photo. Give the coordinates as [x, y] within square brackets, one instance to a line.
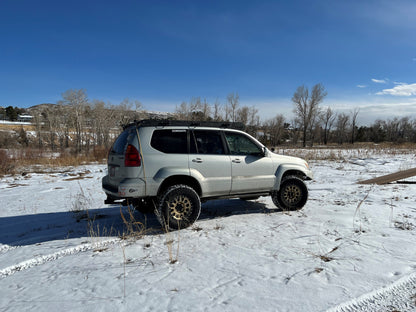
[251, 171]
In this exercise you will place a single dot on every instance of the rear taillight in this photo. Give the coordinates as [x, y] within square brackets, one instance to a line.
[132, 157]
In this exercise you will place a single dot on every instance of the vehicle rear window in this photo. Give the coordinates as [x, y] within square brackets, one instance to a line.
[170, 141]
[120, 143]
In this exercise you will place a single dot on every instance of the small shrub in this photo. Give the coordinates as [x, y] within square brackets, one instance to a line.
[100, 153]
[6, 163]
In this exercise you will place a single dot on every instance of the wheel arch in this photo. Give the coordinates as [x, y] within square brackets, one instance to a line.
[284, 171]
[295, 172]
[180, 179]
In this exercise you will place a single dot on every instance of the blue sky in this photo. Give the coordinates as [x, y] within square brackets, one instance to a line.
[165, 52]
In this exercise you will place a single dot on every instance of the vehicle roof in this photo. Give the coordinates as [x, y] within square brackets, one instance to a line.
[185, 123]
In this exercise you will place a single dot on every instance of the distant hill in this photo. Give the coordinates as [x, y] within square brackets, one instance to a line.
[41, 106]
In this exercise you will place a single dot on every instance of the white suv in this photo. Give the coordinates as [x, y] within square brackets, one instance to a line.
[169, 166]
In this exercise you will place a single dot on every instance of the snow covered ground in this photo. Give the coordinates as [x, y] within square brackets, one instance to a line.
[352, 247]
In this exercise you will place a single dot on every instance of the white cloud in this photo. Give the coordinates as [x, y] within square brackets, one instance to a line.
[361, 86]
[379, 80]
[373, 108]
[400, 90]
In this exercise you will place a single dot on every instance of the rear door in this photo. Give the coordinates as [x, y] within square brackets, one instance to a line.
[209, 162]
[251, 171]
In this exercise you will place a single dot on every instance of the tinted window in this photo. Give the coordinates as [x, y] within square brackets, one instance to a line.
[120, 143]
[240, 144]
[170, 141]
[208, 142]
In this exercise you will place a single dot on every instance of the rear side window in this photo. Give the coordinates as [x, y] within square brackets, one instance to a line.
[170, 141]
[120, 143]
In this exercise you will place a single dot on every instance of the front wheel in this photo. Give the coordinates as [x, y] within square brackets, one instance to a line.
[292, 195]
[179, 207]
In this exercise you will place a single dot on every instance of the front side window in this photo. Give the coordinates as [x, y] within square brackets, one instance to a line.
[240, 144]
[208, 142]
[170, 141]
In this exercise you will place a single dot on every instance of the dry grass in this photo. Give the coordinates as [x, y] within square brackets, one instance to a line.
[348, 151]
[37, 160]
[30, 159]
[134, 229]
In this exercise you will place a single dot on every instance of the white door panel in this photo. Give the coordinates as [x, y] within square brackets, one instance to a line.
[214, 172]
[251, 174]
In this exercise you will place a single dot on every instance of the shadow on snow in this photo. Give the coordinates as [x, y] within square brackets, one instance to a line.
[106, 222]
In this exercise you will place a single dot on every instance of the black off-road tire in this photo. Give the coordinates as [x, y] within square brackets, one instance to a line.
[292, 195]
[179, 207]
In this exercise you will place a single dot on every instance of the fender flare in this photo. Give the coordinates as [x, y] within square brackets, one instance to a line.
[282, 170]
[180, 175]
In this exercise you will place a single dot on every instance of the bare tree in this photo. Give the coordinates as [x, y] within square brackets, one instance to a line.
[104, 119]
[341, 127]
[197, 110]
[217, 111]
[38, 121]
[242, 115]
[253, 117]
[52, 122]
[274, 130]
[206, 110]
[328, 118]
[217, 108]
[253, 121]
[406, 129]
[231, 106]
[354, 116]
[77, 101]
[397, 130]
[307, 108]
[129, 110]
[182, 111]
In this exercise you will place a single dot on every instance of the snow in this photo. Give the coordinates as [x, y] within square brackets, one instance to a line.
[352, 247]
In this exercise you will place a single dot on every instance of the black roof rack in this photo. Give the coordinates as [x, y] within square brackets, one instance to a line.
[186, 123]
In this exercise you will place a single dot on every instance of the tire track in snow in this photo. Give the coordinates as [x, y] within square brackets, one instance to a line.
[27, 264]
[399, 296]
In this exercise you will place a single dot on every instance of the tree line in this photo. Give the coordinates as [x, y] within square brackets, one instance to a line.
[78, 124]
[10, 113]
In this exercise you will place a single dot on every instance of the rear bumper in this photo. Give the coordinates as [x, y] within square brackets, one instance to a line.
[127, 188]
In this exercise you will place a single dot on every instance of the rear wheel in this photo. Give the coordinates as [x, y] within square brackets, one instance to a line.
[292, 195]
[179, 207]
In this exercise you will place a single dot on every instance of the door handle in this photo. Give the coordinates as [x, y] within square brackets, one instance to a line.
[236, 161]
[197, 160]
